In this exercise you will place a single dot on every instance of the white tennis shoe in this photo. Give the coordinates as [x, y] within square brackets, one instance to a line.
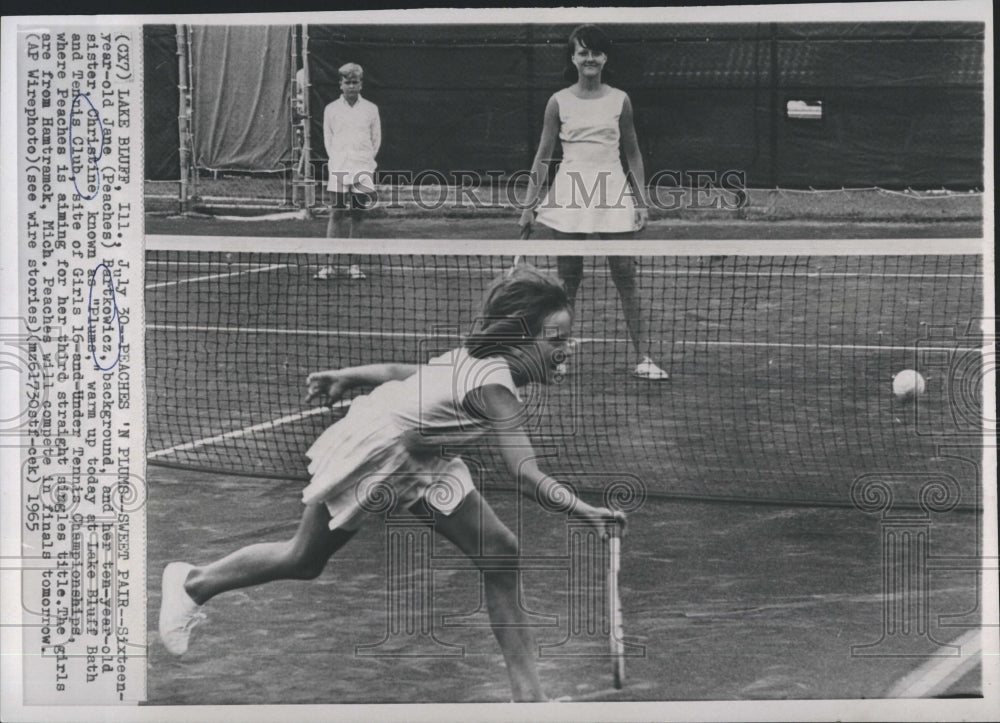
[355, 273]
[178, 612]
[647, 369]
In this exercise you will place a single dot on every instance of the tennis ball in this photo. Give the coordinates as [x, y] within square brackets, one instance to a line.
[908, 384]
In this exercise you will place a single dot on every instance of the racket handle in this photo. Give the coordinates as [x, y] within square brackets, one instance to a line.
[525, 232]
[617, 632]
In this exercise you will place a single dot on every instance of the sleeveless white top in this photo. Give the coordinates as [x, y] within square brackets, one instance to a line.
[390, 443]
[589, 193]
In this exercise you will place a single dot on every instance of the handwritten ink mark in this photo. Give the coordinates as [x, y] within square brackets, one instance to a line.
[114, 318]
[94, 157]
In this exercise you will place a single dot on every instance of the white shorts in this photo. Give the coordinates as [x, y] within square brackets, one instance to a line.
[442, 490]
[357, 182]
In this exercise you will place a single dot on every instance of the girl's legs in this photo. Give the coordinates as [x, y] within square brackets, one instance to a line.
[570, 268]
[357, 218]
[623, 274]
[301, 558]
[185, 587]
[476, 530]
[339, 225]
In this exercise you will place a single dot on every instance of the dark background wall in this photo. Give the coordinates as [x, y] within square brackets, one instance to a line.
[903, 103]
[161, 102]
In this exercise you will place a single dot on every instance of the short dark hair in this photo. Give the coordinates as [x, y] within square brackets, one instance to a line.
[592, 37]
[514, 310]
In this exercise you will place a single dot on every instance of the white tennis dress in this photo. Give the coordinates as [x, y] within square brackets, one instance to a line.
[389, 446]
[589, 193]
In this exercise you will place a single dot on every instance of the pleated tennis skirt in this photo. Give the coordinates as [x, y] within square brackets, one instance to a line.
[361, 466]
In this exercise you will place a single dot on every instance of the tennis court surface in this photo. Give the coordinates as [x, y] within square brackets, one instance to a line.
[765, 481]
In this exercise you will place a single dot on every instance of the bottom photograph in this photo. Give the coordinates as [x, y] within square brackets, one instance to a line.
[527, 475]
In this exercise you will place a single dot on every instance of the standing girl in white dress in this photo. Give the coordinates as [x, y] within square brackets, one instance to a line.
[391, 442]
[591, 193]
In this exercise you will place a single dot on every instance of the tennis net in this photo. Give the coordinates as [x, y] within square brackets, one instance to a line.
[781, 365]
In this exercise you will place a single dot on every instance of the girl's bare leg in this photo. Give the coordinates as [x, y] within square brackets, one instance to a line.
[357, 218]
[340, 224]
[623, 274]
[301, 558]
[476, 530]
[570, 268]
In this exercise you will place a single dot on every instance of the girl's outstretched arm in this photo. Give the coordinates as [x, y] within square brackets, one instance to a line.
[329, 386]
[540, 166]
[497, 405]
[633, 156]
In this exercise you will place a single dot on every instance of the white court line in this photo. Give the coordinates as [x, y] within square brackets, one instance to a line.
[934, 677]
[263, 426]
[579, 340]
[640, 272]
[196, 279]
[594, 695]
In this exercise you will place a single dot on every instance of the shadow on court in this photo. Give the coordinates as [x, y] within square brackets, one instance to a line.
[730, 601]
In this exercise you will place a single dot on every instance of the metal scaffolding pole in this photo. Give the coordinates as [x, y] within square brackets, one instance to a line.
[183, 119]
[308, 173]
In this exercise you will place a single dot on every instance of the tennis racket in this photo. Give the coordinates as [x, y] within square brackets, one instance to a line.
[617, 625]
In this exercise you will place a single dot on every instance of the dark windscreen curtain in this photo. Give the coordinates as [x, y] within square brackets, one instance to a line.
[242, 85]
[161, 102]
[903, 103]
[450, 98]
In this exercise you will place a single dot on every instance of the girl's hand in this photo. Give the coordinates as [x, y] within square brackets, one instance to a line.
[641, 218]
[526, 221]
[326, 387]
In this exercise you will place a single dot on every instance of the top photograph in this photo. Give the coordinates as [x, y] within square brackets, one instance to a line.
[683, 131]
